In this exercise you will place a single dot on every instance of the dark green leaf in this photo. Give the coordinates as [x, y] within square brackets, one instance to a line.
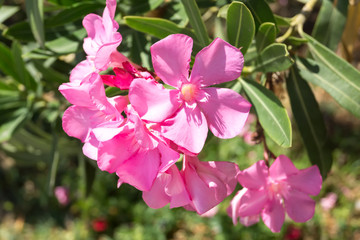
[330, 23]
[10, 121]
[196, 21]
[265, 36]
[7, 11]
[22, 75]
[139, 6]
[272, 115]
[159, 28]
[309, 121]
[346, 93]
[6, 61]
[295, 41]
[240, 26]
[34, 11]
[274, 58]
[260, 11]
[72, 14]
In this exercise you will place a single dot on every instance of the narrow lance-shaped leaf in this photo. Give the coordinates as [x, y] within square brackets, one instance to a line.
[10, 121]
[344, 93]
[240, 26]
[7, 11]
[347, 76]
[22, 75]
[261, 12]
[272, 114]
[159, 28]
[265, 36]
[274, 58]
[139, 6]
[309, 121]
[34, 11]
[72, 14]
[331, 22]
[193, 13]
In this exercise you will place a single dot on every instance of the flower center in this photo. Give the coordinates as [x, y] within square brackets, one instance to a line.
[188, 92]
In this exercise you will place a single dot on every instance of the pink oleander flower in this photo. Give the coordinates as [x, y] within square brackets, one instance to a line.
[91, 109]
[124, 76]
[135, 151]
[62, 195]
[270, 192]
[192, 106]
[328, 202]
[103, 38]
[199, 186]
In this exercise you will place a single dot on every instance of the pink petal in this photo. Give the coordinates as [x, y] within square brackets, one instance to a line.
[307, 180]
[252, 202]
[299, 206]
[282, 168]
[90, 148]
[168, 157]
[171, 58]
[113, 153]
[254, 177]
[187, 128]
[141, 169]
[176, 189]
[152, 101]
[235, 205]
[217, 63]
[93, 25]
[274, 215]
[102, 57]
[81, 71]
[250, 220]
[208, 183]
[225, 111]
[156, 197]
[78, 122]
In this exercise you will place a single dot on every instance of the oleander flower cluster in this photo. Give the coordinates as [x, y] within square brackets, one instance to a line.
[142, 136]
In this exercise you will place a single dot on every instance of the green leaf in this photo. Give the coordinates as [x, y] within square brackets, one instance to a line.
[6, 61]
[330, 23]
[282, 21]
[309, 121]
[240, 26]
[22, 75]
[10, 121]
[272, 115]
[295, 41]
[260, 11]
[265, 36]
[196, 21]
[176, 13]
[347, 76]
[72, 14]
[34, 11]
[139, 6]
[159, 28]
[7, 11]
[274, 58]
[67, 44]
[346, 93]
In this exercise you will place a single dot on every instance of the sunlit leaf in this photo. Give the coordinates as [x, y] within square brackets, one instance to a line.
[159, 28]
[344, 92]
[272, 114]
[34, 11]
[196, 21]
[7, 11]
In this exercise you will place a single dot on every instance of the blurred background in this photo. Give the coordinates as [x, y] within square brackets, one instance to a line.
[50, 190]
